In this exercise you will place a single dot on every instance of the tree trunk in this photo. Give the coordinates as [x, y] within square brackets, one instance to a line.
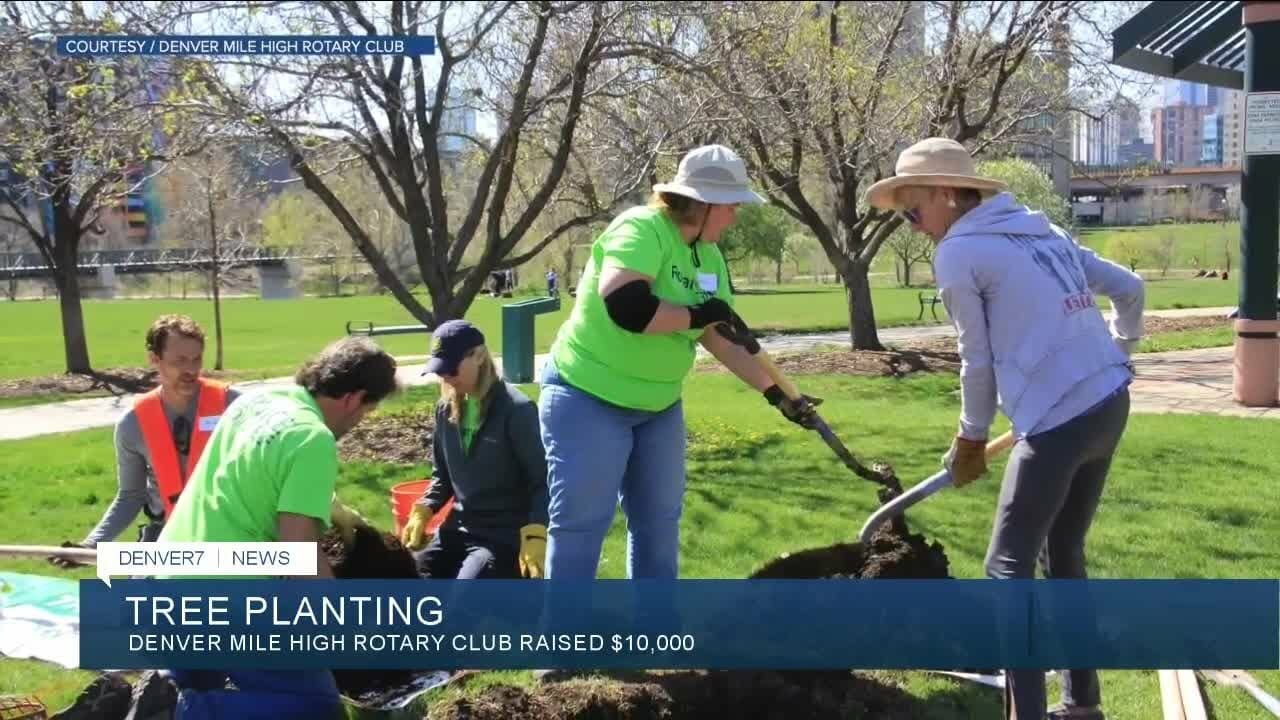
[862, 316]
[74, 342]
[568, 267]
[906, 273]
[215, 282]
[777, 277]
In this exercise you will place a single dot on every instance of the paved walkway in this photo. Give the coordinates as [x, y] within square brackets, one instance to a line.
[1192, 381]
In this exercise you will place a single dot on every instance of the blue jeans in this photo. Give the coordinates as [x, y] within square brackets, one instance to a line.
[260, 695]
[600, 455]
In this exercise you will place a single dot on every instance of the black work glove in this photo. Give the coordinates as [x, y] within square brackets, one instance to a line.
[737, 332]
[802, 412]
[714, 310]
[67, 563]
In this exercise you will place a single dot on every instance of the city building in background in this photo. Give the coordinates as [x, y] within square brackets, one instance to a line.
[1177, 133]
[1212, 140]
[1198, 126]
[1099, 137]
[1232, 111]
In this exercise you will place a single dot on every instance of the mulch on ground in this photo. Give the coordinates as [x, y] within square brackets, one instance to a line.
[403, 438]
[115, 381]
[99, 383]
[929, 355]
[932, 355]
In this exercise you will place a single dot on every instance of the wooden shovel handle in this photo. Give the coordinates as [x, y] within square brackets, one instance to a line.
[999, 445]
[777, 377]
[82, 554]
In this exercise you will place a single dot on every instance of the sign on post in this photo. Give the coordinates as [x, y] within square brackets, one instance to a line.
[1262, 123]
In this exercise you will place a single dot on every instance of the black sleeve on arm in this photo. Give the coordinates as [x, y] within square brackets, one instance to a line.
[632, 306]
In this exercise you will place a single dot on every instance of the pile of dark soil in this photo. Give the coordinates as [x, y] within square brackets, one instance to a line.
[374, 556]
[693, 694]
[894, 553]
[403, 438]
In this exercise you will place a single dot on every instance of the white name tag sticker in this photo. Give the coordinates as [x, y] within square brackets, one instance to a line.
[709, 282]
[209, 422]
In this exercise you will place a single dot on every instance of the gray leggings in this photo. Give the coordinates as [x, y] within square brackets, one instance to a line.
[1051, 489]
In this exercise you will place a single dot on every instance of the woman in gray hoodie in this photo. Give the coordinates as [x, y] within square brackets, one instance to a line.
[1032, 342]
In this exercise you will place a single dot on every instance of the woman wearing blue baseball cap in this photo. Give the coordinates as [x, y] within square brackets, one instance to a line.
[488, 458]
[612, 420]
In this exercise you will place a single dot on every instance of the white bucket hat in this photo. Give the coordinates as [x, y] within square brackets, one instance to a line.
[712, 174]
[934, 162]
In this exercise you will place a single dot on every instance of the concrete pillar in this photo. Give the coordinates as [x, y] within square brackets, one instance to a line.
[280, 282]
[1257, 349]
[100, 286]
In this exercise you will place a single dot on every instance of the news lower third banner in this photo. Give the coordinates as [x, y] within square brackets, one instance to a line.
[305, 623]
[83, 46]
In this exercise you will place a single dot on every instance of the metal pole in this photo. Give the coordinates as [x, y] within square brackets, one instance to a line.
[1257, 350]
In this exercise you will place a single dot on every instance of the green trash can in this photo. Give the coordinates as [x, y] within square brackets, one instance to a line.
[517, 336]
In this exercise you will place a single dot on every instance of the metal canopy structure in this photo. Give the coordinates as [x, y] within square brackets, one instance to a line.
[1231, 45]
[1201, 42]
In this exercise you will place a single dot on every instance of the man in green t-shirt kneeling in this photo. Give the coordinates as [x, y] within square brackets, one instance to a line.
[268, 475]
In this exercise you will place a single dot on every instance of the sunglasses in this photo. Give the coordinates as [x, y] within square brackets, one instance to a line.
[911, 215]
[182, 435]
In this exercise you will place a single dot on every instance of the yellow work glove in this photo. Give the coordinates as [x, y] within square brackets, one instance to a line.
[967, 460]
[414, 534]
[345, 520]
[533, 550]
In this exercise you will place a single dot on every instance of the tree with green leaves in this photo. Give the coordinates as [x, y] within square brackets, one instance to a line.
[822, 97]
[549, 74]
[909, 248]
[760, 232]
[1126, 249]
[217, 205]
[70, 131]
[1030, 186]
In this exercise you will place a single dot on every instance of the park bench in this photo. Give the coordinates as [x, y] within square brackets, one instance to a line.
[930, 299]
[517, 334]
[363, 327]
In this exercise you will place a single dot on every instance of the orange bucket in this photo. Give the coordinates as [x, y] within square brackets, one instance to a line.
[405, 495]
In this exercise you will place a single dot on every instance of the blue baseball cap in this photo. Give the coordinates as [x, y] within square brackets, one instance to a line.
[450, 343]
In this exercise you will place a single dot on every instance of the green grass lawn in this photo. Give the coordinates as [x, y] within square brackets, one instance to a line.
[271, 338]
[53, 397]
[1188, 340]
[1205, 242]
[1190, 497]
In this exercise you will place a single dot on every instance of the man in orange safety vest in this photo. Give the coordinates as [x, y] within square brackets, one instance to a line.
[162, 436]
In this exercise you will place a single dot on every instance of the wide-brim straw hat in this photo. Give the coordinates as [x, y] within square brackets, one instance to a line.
[712, 174]
[933, 162]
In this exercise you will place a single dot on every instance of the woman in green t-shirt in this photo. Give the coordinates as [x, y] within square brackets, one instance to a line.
[611, 417]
